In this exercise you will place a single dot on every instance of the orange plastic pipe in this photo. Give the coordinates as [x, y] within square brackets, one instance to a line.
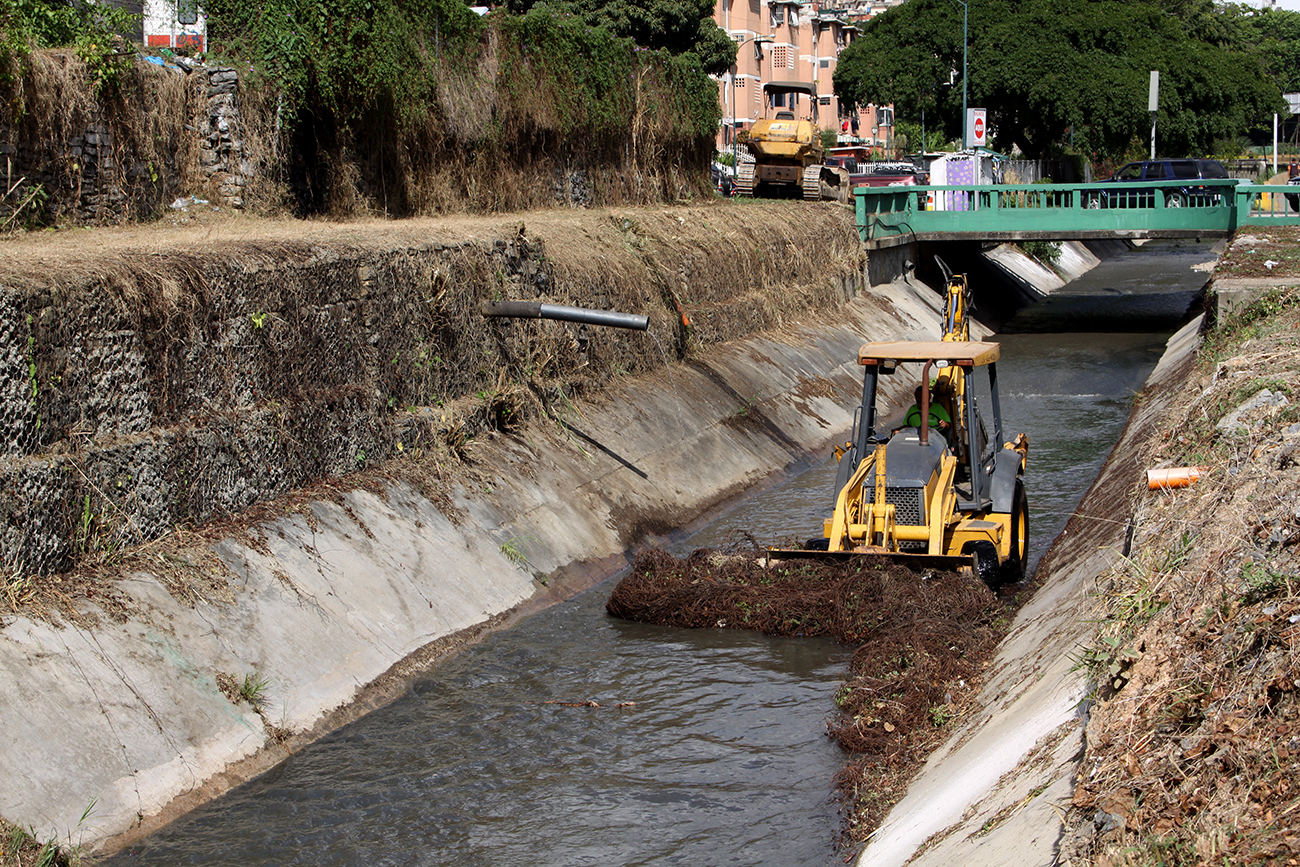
[1173, 477]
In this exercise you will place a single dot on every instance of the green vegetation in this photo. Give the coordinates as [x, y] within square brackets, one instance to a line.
[1137, 593]
[351, 56]
[90, 28]
[253, 688]
[407, 106]
[513, 549]
[21, 848]
[677, 27]
[412, 63]
[1047, 252]
[1056, 72]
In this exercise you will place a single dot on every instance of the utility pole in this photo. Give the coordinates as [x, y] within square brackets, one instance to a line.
[965, 45]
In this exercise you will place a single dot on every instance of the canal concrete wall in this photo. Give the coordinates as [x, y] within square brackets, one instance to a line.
[153, 676]
[1036, 280]
[997, 792]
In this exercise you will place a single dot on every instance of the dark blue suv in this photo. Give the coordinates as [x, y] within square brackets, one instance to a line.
[1141, 196]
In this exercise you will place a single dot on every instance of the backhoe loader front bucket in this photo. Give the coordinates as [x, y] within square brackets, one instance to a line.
[915, 562]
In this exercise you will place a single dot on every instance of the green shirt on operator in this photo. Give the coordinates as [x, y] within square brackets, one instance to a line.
[939, 418]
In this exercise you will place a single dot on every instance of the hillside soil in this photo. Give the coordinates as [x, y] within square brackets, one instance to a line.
[1193, 741]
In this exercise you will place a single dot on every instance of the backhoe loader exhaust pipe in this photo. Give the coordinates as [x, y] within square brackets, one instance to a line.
[538, 310]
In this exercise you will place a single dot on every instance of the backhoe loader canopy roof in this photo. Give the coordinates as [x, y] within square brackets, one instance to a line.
[963, 353]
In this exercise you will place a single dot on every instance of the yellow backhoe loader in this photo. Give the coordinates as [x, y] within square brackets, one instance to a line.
[946, 498]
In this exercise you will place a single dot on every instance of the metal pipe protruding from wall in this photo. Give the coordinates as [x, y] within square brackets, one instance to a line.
[538, 310]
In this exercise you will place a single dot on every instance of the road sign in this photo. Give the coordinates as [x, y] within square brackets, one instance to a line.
[977, 127]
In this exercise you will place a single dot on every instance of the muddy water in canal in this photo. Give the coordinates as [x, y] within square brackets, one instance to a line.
[719, 754]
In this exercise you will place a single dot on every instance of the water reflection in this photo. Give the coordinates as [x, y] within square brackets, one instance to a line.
[722, 759]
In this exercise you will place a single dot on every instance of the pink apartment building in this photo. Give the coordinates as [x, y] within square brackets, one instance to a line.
[794, 40]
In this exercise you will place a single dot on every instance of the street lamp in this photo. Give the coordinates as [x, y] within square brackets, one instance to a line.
[757, 40]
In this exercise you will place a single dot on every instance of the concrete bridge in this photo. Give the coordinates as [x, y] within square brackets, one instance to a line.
[894, 216]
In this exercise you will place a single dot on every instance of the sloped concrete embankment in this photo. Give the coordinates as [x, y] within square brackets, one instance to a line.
[330, 600]
[1034, 281]
[997, 792]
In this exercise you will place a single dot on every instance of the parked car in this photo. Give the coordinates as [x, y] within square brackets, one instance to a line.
[882, 174]
[894, 175]
[1134, 195]
[724, 179]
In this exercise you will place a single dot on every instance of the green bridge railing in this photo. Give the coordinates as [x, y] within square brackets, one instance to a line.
[1168, 209]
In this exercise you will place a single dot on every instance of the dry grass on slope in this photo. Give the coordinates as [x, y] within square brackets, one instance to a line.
[1194, 742]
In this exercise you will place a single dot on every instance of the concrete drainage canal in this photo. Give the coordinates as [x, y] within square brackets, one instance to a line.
[576, 738]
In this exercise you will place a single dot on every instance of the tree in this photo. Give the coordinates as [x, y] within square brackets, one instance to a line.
[907, 57]
[677, 26]
[1274, 34]
[1046, 69]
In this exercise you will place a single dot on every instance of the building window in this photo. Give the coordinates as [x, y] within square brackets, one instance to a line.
[778, 14]
[824, 63]
[824, 100]
[187, 12]
[780, 57]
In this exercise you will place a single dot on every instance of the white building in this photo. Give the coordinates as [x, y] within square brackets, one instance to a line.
[175, 24]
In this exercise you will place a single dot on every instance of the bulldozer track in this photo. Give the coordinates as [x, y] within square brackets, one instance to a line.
[812, 183]
[745, 179]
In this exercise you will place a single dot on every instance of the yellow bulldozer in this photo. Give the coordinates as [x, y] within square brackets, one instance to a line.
[785, 153]
[931, 489]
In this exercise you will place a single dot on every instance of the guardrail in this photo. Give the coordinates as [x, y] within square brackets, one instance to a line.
[1168, 209]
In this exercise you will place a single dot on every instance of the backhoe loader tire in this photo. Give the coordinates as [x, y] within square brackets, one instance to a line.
[1013, 570]
[822, 544]
[987, 566]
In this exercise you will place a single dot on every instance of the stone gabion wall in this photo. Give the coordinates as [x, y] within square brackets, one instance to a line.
[82, 185]
[122, 417]
[180, 388]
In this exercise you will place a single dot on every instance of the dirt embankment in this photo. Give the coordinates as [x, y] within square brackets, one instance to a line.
[1193, 742]
[180, 375]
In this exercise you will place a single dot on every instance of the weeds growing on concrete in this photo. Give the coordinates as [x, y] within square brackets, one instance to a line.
[250, 689]
[253, 688]
[513, 549]
[21, 848]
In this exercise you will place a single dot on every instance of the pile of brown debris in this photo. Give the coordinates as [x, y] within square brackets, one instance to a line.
[923, 640]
